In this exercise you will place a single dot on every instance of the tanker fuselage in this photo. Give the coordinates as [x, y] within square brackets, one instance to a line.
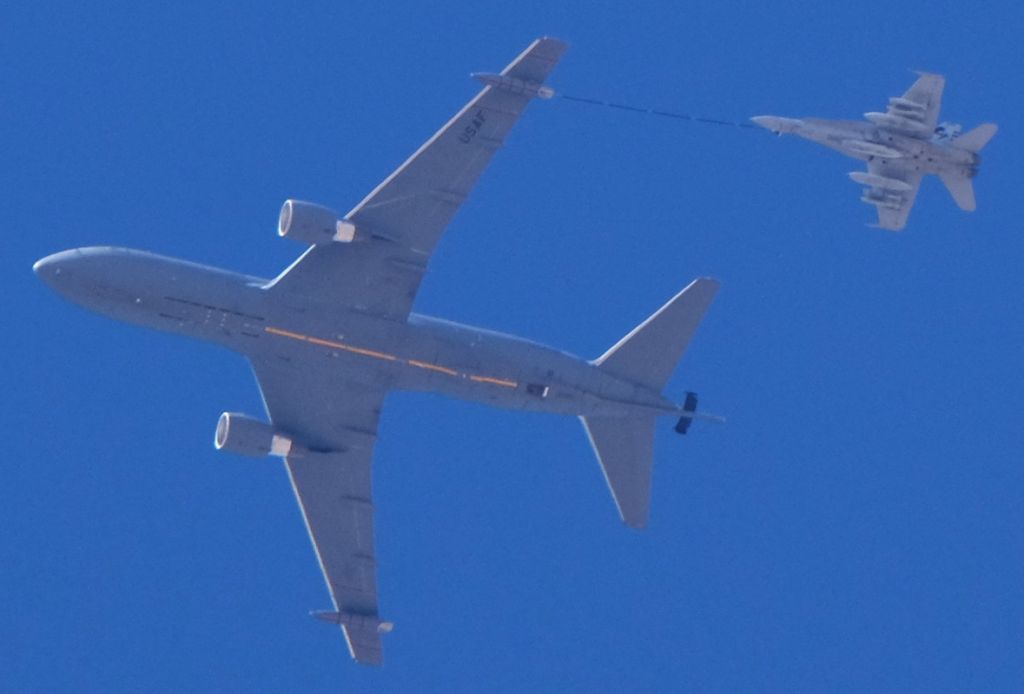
[420, 354]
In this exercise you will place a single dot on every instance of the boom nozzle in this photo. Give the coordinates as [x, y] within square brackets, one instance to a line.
[689, 413]
[689, 408]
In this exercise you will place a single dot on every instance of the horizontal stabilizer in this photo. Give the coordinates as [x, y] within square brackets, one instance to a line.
[976, 139]
[625, 449]
[962, 190]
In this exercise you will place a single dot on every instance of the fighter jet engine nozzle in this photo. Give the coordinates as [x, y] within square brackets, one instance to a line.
[313, 224]
[244, 435]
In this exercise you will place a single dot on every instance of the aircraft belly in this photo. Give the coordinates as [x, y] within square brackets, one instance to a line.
[455, 360]
[423, 355]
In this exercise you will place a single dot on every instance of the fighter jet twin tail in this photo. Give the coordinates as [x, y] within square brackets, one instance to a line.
[900, 147]
[335, 332]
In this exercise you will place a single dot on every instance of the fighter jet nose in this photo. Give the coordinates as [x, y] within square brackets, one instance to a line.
[767, 122]
[777, 124]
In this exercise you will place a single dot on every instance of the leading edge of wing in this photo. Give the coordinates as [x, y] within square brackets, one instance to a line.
[404, 217]
[532, 65]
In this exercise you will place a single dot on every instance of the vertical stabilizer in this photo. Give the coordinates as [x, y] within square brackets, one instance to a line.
[649, 353]
[976, 139]
[646, 356]
[962, 190]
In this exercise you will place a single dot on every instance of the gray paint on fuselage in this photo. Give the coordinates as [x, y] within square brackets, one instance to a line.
[918, 154]
[422, 354]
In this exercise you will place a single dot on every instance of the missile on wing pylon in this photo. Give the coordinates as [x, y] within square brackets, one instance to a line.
[908, 121]
[905, 104]
[889, 201]
[872, 149]
[876, 181]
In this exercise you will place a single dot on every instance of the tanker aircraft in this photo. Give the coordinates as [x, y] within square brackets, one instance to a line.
[900, 146]
[334, 333]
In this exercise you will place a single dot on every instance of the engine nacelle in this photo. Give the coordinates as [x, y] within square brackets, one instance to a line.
[241, 434]
[313, 224]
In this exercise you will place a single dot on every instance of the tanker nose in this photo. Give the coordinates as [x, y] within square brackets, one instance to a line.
[82, 274]
[56, 269]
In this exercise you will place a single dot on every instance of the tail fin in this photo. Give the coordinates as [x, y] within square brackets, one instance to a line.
[649, 353]
[625, 449]
[647, 356]
[962, 190]
[974, 140]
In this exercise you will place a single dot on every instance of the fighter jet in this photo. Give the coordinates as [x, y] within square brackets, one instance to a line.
[900, 146]
[333, 334]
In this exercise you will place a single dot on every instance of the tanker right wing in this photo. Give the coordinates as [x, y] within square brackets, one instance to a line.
[401, 221]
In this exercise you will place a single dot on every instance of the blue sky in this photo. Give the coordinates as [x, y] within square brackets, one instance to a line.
[856, 526]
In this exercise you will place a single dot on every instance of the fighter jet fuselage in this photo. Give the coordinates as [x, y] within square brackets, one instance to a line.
[867, 142]
[900, 147]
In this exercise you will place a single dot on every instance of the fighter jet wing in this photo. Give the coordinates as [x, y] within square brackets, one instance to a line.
[893, 200]
[922, 102]
[332, 483]
[403, 218]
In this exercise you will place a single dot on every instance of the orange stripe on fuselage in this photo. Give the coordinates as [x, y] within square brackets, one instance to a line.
[432, 367]
[495, 381]
[390, 357]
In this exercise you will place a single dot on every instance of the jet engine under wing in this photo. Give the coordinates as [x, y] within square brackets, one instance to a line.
[403, 218]
[334, 423]
[893, 205]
